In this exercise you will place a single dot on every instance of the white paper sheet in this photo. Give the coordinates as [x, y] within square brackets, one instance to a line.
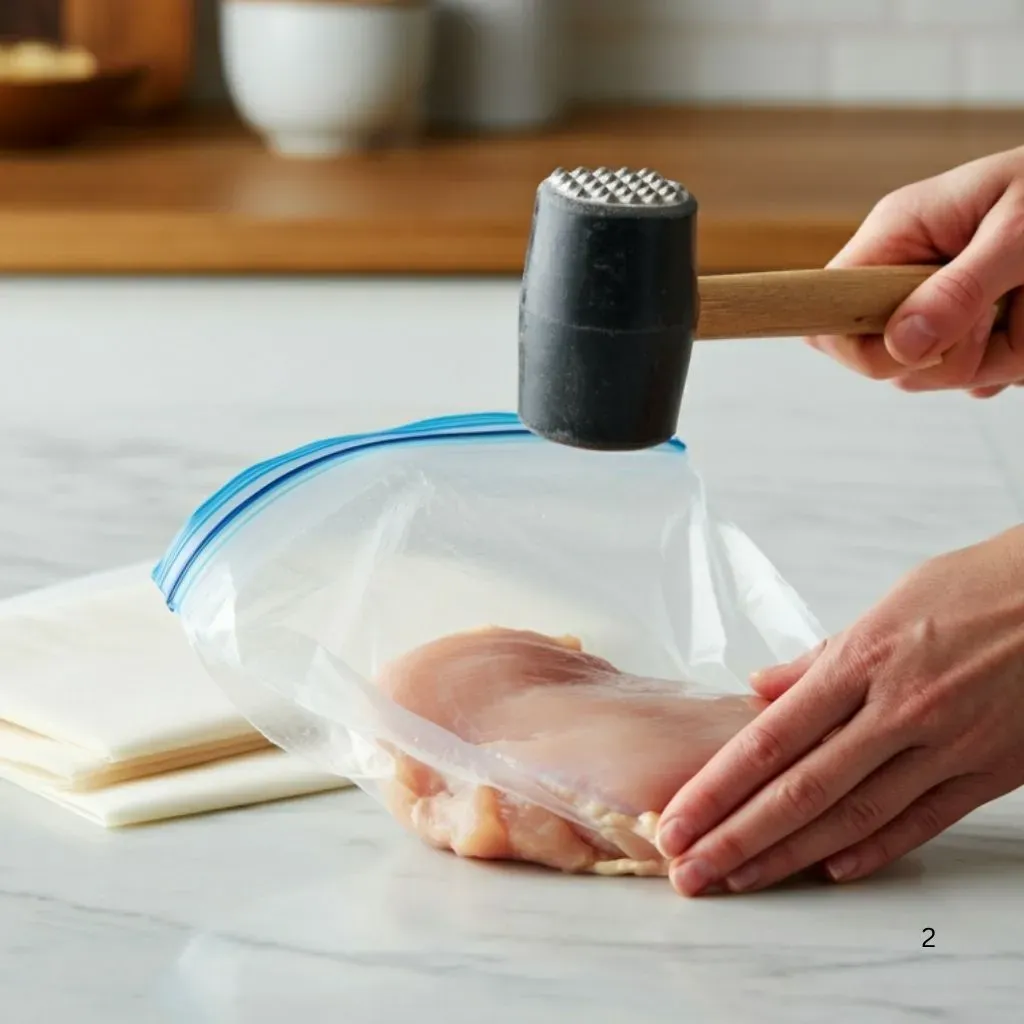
[103, 666]
[233, 782]
[106, 710]
[69, 767]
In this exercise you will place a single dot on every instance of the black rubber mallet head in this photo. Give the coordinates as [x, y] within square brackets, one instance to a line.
[611, 305]
[608, 308]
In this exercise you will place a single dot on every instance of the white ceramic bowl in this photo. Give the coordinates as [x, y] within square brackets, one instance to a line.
[320, 77]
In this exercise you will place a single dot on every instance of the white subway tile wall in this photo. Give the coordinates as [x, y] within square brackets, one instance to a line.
[856, 52]
[842, 52]
[992, 71]
[902, 67]
[959, 12]
[831, 12]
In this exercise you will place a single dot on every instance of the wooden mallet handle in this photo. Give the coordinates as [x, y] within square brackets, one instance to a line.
[795, 303]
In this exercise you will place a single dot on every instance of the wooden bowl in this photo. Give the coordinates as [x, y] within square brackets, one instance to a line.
[46, 112]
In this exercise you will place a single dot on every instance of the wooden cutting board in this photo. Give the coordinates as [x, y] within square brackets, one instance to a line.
[158, 34]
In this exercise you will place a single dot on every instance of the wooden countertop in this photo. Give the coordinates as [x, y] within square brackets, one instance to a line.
[778, 189]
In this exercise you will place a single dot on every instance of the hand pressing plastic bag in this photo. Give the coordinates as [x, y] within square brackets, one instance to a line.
[521, 650]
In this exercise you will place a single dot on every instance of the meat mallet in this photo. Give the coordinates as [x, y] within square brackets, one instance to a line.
[611, 305]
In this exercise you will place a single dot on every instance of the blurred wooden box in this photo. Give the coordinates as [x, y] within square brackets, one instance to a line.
[156, 34]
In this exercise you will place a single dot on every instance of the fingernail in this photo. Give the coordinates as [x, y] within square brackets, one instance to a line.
[912, 339]
[691, 877]
[746, 877]
[841, 867]
[673, 838]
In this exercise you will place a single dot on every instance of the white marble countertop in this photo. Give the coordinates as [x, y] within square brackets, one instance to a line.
[123, 404]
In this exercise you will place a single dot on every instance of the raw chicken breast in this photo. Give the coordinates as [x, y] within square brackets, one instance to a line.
[614, 746]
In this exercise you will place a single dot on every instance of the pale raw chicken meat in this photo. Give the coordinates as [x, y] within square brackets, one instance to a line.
[613, 746]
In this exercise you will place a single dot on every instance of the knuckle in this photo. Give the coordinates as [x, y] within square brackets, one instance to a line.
[959, 377]
[866, 653]
[925, 819]
[861, 816]
[852, 356]
[896, 204]
[802, 796]
[877, 369]
[781, 861]
[860, 355]
[702, 810]
[951, 377]
[962, 288]
[730, 852]
[762, 749]
[913, 702]
[913, 718]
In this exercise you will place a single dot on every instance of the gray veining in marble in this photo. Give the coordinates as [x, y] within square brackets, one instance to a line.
[122, 404]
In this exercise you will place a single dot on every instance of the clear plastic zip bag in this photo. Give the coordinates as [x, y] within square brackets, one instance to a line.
[520, 649]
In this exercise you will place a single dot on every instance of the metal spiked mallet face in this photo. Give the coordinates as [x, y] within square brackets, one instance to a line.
[618, 188]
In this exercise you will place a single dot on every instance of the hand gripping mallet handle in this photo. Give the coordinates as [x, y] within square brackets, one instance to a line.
[611, 305]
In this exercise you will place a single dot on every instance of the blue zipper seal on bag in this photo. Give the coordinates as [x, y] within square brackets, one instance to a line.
[258, 483]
